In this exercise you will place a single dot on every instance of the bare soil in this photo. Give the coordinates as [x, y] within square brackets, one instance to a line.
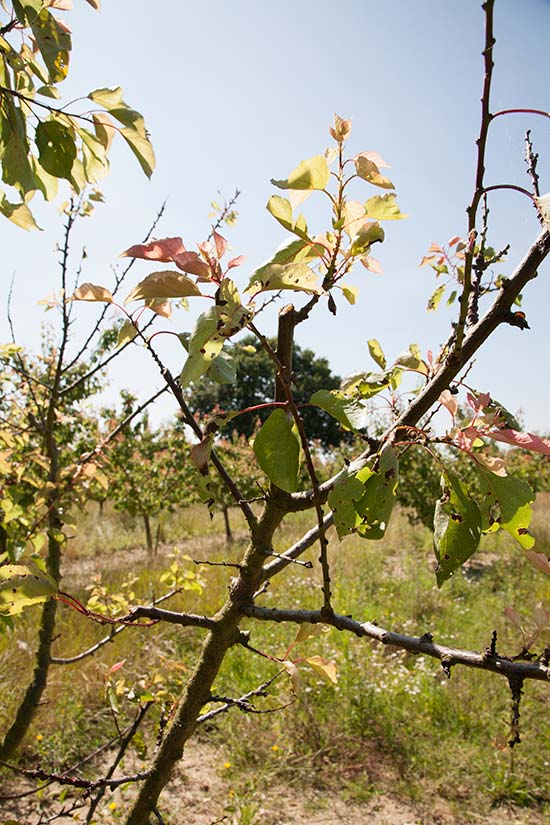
[201, 793]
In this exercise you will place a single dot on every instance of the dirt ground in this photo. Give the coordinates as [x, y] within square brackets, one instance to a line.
[200, 794]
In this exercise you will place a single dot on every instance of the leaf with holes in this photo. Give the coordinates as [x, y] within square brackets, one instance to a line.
[22, 586]
[457, 527]
[56, 148]
[295, 276]
[375, 507]
[506, 502]
[341, 500]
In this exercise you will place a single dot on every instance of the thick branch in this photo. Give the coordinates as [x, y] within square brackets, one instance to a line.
[448, 656]
[172, 617]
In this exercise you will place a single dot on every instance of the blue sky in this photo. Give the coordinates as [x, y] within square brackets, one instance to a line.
[237, 93]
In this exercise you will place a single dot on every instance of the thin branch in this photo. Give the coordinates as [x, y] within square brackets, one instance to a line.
[125, 740]
[70, 660]
[448, 656]
[242, 703]
[118, 283]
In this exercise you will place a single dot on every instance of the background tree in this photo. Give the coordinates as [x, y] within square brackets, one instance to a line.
[253, 384]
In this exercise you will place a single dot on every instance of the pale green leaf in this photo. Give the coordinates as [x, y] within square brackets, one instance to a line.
[310, 174]
[126, 333]
[350, 293]
[18, 213]
[435, 298]
[141, 147]
[296, 276]
[205, 344]
[164, 284]
[324, 668]
[376, 353]
[383, 208]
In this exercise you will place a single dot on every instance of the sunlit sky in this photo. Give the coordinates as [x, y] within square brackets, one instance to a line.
[237, 93]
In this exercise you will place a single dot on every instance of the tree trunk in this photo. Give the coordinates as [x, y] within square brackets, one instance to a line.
[228, 533]
[148, 535]
[26, 710]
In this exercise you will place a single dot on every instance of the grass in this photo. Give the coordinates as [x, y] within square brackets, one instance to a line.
[393, 721]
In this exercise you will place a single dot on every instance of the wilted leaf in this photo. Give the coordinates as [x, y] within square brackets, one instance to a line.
[310, 174]
[92, 292]
[538, 560]
[277, 448]
[292, 671]
[200, 454]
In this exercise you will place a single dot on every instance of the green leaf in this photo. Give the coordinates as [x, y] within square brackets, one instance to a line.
[457, 527]
[223, 369]
[368, 384]
[277, 448]
[296, 251]
[506, 502]
[375, 507]
[383, 208]
[16, 165]
[350, 293]
[368, 234]
[56, 148]
[310, 174]
[26, 10]
[281, 209]
[22, 586]
[126, 333]
[350, 412]
[205, 344]
[435, 298]
[376, 353]
[296, 276]
[341, 500]
[142, 148]
[54, 43]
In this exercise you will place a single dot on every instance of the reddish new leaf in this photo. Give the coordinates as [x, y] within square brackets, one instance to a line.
[527, 441]
[164, 250]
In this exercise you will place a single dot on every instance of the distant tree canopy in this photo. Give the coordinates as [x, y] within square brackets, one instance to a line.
[255, 385]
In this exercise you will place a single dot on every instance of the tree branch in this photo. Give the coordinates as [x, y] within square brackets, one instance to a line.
[448, 656]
